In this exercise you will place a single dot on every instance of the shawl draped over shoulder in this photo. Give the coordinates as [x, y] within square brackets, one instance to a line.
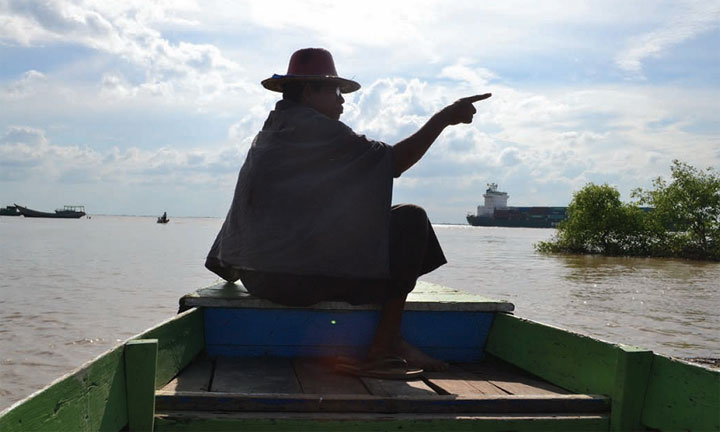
[312, 198]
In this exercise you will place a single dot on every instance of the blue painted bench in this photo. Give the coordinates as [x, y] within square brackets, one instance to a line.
[443, 322]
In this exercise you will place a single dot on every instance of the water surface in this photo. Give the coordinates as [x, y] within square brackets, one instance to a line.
[72, 289]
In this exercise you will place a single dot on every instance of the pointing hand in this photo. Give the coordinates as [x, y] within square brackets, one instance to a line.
[462, 110]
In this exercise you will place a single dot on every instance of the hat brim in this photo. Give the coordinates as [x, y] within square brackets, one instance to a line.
[276, 82]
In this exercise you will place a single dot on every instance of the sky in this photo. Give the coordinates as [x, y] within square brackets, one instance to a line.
[140, 107]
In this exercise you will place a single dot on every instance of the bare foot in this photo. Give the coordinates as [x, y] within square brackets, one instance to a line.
[412, 355]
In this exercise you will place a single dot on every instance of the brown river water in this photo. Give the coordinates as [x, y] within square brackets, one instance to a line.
[72, 289]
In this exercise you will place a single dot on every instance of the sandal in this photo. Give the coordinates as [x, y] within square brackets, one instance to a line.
[394, 368]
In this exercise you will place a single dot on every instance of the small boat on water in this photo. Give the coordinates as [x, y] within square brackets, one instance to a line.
[67, 212]
[163, 219]
[231, 361]
[9, 211]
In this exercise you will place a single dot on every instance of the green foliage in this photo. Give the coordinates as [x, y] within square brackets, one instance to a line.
[690, 208]
[684, 220]
[598, 222]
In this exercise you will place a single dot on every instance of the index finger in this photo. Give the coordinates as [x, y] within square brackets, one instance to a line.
[473, 99]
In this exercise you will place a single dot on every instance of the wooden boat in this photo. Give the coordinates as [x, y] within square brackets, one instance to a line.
[67, 212]
[9, 211]
[229, 361]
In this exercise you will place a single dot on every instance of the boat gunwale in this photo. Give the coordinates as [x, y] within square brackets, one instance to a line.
[86, 365]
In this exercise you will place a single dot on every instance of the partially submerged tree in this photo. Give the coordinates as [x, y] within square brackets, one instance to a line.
[689, 207]
[598, 222]
[684, 220]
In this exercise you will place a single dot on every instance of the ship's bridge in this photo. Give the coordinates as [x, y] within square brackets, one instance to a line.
[494, 199]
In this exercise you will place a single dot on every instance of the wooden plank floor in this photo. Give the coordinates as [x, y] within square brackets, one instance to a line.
[260, 375]
[311, 385]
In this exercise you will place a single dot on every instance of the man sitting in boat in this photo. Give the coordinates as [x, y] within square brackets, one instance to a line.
[311, 219]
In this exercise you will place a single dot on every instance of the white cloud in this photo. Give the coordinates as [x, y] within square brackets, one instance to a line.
[688, 20]
[509, 157]
[127, 33]
[390, 109]
[27, 154]
[114, 85]
[30, 83]
[476, 77]
[28, 136]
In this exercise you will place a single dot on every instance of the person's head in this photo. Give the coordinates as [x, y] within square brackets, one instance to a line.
[325, 97]
[313, 81]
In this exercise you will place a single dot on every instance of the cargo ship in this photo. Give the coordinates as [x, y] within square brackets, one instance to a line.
[495, 212]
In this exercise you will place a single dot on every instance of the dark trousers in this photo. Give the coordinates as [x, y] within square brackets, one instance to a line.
[414, 251]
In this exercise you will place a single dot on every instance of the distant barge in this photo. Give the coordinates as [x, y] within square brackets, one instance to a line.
[67, 212]
[496, 212]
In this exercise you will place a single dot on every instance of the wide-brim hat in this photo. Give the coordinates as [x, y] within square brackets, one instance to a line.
[310, 64]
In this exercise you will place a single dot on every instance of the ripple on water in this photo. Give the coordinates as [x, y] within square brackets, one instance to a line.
[87, 341]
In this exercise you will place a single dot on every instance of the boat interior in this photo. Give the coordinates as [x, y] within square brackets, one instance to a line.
[230, 361]
[297, 387]
[287, 370]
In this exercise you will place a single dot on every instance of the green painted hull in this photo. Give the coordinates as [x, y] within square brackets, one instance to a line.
[117, 390]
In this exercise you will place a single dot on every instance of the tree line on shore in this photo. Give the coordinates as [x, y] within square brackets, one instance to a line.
[680, 218]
